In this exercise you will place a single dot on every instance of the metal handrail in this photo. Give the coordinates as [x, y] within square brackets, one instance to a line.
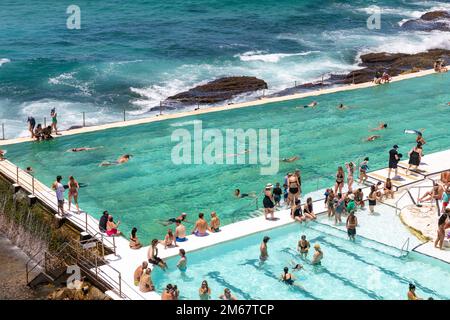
[44, 196]
[406, 243]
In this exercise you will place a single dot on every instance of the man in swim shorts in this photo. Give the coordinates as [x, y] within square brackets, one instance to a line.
[180, 231]
[201, 226]
[263, 249]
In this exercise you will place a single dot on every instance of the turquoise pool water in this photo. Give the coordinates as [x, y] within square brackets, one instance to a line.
[349, 271]
[150, 187]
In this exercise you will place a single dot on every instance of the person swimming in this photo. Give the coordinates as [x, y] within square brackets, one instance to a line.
[342, 107]
[291, 159]
[123, 159]
[310, 105]
[170, 221]
[238, 194]
[382, 126]
[373, 137]
[2, 154]
[82, 149]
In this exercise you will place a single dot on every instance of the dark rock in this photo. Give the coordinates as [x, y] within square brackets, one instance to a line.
[435, 20]
[219, 90]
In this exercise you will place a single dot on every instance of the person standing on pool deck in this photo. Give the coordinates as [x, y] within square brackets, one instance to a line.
[318, 255]
[182, 263]
[340, 208]
[59, 189]
[201, 226]
[268, 202]
[340, 177]
[393, 160]
[31, 124]
[180, 231]
[415, 156]
[363, 167]
[351, 224]
[263, 249]
[372, 199]
[73, 192]
[294, 188]
[441, 229]
[277, 192]
[54, 115]
[350, 171]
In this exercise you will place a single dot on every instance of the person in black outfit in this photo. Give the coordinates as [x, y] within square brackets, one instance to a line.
[103, 221]
[277, 192]
[31, 124]
[394, 158]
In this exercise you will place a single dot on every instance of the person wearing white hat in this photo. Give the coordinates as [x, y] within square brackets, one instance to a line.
[268, 202]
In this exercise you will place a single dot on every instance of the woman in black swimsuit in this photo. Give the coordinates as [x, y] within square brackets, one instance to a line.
[415, 156]
[268, 202]
[308, 210]
[340, 177]
[388, 189]
[286, 277]
[303, 247]
[296, 212]
[294, 188]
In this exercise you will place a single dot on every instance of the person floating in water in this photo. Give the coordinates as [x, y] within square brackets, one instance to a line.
[342, 107]
[121, 160]
[291, 159]
[382, 126]
[373, 137]
[82, 149]
[310, 105]
[170, 221]
[238, 194]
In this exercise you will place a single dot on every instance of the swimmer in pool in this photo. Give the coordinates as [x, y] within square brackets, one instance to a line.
[246, 151]
[263, 250]
[382, 126]
[373, 137]
[310, 105]
[170, 221]
[238, 194]
[121, 160]
[82, 149]
[296, 266]
[291, 159]
[342, 107]
[318, 255]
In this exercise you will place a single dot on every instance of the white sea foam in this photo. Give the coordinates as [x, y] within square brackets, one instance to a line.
[4, 61]
[391, 11]
[269, 57]
[69, 79]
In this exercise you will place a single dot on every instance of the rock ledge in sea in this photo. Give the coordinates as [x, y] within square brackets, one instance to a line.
[430, 21]
[219, 90]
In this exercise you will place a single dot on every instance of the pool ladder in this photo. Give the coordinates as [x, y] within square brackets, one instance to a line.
[405, 249]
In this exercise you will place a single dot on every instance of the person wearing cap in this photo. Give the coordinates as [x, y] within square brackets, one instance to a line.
[268, 202]
[412, 293]
[263, 249]
[393, 160]
[318, 255]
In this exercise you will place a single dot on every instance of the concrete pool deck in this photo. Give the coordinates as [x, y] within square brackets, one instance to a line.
[126, 260]
[261, 101]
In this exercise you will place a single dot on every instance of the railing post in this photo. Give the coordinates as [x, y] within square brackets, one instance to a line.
[295, 83]
[3, 131]
[160, 108]
[86, 221]
[114, 245]
[45, 122]
[84, 119]
[17, 174]
[124, 119]
[32, 184]
[120, 284]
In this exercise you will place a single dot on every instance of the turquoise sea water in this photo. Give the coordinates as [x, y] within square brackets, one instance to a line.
[132, 54]
[150, 187]
[365, 270]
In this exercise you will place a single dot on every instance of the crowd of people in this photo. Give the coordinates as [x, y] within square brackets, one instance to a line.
[39, 132]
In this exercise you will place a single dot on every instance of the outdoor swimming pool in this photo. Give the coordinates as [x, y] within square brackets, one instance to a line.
[151, 187]
[349, 271]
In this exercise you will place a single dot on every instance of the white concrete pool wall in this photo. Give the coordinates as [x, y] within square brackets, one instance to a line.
[261, 101]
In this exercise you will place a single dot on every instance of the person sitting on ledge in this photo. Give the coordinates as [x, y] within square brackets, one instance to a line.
[103, 221]
[434, 194]
[111, 227]
[38, 134]
[386, 78]
[134, 241]
[152, 255]
[169, 240]
[215, 222]
[201, 226]
[180, 231]
[47, 133]
[139, 271]
[146, 283]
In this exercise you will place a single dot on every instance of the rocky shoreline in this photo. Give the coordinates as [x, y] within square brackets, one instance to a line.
[226, 88]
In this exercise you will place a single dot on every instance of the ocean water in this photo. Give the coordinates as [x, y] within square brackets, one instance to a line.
[130, 55]
[150, 187]
[365, 270]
